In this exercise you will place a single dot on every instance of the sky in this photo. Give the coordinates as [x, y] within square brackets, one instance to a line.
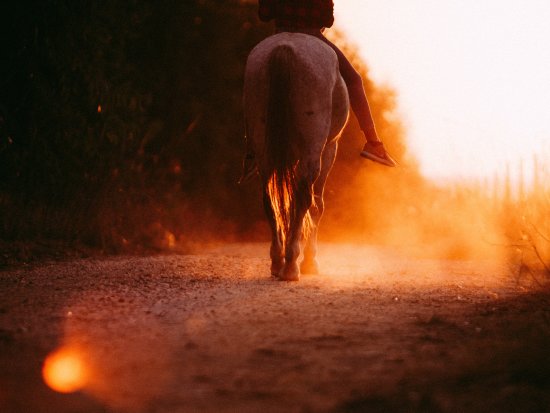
[472, 78]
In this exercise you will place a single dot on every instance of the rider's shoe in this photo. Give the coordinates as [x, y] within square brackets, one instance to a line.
[250, 168]
[375, 151]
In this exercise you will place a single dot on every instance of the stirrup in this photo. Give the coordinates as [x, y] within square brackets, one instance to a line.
[250, 168]
[247, 176]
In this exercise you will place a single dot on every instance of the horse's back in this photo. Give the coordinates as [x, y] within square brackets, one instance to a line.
[311, 52]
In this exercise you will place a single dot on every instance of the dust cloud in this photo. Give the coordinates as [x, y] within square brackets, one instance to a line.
[369, 203]
[366, 203]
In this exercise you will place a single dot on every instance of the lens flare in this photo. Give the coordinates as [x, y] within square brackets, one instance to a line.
[64, 371]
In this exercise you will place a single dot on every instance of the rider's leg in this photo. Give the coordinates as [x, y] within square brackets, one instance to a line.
[374, 148]
[357, 96]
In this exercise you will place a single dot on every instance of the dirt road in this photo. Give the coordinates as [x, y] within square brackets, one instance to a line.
[378, 331]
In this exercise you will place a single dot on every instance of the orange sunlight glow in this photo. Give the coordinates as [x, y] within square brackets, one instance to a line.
[472, 78]
[64, 371]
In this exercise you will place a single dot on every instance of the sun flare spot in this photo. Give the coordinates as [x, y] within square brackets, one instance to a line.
[64, 371]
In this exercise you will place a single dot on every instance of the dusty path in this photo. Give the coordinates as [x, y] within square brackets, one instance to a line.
[377, 331]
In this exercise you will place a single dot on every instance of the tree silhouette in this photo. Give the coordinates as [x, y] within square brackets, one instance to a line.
[121, 122]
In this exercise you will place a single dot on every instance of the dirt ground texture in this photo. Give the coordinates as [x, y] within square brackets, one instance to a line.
[379, 330]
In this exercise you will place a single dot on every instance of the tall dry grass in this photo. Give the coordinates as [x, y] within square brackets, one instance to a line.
[523, 198]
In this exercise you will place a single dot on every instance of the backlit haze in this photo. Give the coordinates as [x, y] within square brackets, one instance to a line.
[472, 77]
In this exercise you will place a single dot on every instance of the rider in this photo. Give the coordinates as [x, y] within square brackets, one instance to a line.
[312, 17]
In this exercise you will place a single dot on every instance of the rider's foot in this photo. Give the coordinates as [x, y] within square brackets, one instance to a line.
[250, 168]
[375, 151]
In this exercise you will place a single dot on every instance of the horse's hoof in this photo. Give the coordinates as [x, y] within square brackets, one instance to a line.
[277, 267]
[309, 267]
[290, 273]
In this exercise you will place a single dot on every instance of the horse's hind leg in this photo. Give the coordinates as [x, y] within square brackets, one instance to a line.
[276, 249]
[303, 201]
[310, 265]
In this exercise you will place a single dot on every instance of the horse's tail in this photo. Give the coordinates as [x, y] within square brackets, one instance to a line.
[282, 140]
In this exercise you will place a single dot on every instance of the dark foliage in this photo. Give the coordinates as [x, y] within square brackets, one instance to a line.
[121, 124]
[116, 114]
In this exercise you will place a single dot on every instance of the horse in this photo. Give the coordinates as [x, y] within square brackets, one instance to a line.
[296, 105]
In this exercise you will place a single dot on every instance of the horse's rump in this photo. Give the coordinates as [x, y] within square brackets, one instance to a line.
[295, 102]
